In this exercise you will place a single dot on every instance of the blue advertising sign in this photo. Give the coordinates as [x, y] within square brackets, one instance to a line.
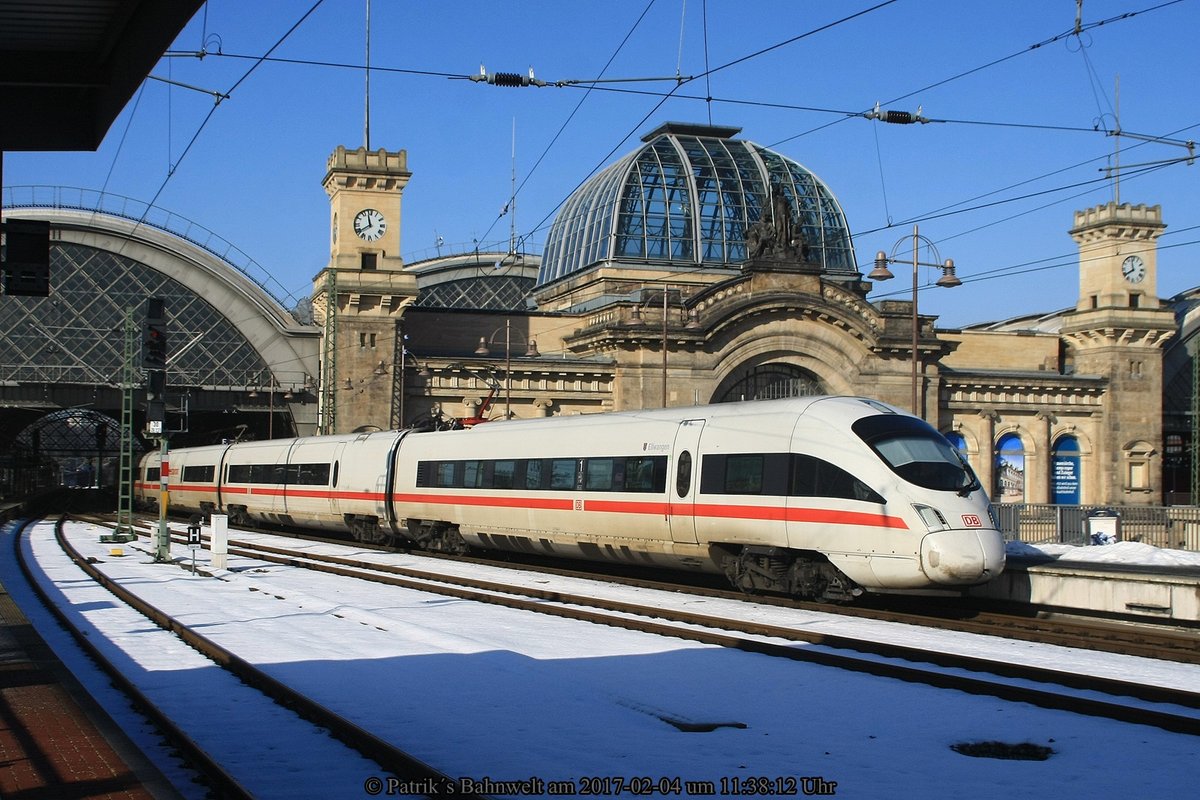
[1065, 480]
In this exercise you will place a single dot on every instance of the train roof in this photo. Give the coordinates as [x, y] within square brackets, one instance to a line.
[793, 406]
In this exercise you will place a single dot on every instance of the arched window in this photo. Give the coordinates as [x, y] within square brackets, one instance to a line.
[771, 382]
[1065, 473]
[1009, 481]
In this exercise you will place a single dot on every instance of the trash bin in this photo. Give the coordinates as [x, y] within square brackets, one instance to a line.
[1103, 526]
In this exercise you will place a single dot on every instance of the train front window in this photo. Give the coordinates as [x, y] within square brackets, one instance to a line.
[917, 453]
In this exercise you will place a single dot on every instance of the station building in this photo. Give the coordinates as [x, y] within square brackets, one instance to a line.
[698, 268]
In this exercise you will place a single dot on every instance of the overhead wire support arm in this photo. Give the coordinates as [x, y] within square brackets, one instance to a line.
[1189, 144]
[217, 96]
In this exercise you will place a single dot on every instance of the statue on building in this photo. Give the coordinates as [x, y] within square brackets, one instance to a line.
[775, 237]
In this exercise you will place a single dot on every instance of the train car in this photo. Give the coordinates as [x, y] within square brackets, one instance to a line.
[818, 497]
[822, 497]
[333, 483]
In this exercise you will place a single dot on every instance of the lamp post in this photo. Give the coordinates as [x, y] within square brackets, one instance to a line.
[405, 354]
[271, 383]
[948, 280]
[691, 324]
[483, 349]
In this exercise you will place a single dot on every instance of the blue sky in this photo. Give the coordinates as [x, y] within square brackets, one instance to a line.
[995, 185]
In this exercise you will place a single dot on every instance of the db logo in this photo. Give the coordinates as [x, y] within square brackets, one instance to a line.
[972, 521]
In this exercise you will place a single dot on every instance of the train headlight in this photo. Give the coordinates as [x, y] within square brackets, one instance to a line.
[932, 518]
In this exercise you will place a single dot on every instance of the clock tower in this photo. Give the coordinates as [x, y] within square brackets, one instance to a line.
[1117, 256]
[364, 189]
[1116, 335]
[360, 297]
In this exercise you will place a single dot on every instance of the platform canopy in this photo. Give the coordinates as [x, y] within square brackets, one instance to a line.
[68, 67]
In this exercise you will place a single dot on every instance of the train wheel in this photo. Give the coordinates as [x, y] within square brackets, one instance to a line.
[754, 571]
[772, 570]
[366, 530]
[438, 537]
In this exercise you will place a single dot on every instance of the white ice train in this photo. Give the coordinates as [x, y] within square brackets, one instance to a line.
[819, 497]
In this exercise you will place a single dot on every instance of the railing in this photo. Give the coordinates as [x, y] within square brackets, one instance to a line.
[1171, 527]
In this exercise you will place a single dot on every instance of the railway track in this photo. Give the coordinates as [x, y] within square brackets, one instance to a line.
[399, 767]
[1144, 638]
[1065, 689]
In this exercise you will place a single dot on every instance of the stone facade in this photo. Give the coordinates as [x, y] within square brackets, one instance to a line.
[623, 336]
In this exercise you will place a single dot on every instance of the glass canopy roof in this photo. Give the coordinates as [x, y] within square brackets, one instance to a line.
[686, 199]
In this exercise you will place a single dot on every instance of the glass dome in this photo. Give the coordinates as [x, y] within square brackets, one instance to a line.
[686, 199]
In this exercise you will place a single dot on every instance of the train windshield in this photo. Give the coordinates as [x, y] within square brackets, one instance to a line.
[917, 453]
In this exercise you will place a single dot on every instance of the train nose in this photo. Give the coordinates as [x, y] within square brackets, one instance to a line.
[962, 557]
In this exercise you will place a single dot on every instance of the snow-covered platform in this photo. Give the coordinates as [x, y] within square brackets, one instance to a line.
[1126, 578]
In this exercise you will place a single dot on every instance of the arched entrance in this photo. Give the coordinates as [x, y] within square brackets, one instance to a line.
[76, 448]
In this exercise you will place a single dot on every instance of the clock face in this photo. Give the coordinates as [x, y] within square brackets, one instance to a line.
[1134, 269]
[369, 224]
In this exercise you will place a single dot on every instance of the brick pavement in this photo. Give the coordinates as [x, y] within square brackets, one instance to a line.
[50, 748]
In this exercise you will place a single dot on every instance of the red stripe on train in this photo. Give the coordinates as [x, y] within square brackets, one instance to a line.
[714, 510]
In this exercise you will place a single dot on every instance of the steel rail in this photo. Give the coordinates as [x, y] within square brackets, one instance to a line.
[196, 756]
[402, 765]
[737, 634]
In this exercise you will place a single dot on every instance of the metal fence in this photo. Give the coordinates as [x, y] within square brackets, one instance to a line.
[1172, 527]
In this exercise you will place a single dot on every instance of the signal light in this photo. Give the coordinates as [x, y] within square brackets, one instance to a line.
[154, 350]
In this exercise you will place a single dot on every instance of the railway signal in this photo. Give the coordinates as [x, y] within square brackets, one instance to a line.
[154, 351]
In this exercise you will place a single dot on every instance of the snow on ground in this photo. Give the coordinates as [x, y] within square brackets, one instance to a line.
[1132, 553]
[483, 691]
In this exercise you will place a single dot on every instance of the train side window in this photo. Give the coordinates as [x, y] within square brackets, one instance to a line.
[239, 473]
[533, 474]
[445, 474]
[153, 473]
[744, 474]
[562, 473]
[312, 474]
[598, 475]
[472, 474]
[266, 473]
[335, 472]
[683, 474]
[813, 477]
[646, 473]
[502, 474]
[201, 473]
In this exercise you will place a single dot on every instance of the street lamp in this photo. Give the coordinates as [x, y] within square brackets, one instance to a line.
[531, 351]
[948, 279]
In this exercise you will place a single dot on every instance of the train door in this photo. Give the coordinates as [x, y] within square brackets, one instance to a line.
[683, 481]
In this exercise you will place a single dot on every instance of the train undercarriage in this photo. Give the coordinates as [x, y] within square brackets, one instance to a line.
[753, 570]
[775, 570]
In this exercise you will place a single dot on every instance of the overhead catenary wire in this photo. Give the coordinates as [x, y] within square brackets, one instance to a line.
[677, 93]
